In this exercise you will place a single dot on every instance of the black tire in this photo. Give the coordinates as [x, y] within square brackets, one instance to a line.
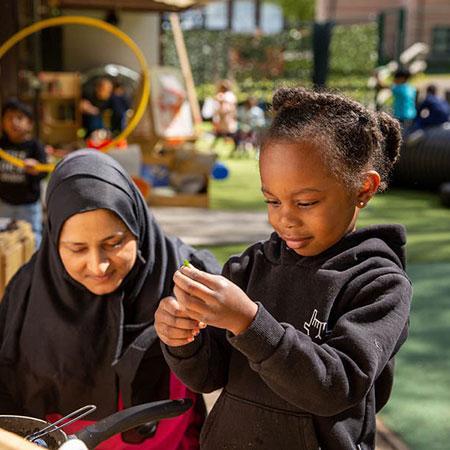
[425, 163]
[444, 194]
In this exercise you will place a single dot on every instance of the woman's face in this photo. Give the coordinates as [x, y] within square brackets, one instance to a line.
[97, 250]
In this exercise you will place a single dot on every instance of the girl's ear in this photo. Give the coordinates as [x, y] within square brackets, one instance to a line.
[369, 187]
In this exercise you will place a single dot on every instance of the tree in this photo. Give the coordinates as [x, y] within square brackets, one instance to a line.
[297, 9]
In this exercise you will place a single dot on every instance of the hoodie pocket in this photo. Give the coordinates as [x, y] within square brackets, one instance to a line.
[235, 423]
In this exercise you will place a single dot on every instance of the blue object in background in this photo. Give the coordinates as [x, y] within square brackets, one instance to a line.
[155, 174]
[219, 171]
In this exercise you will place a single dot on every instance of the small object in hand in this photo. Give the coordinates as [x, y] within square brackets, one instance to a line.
[186, 263]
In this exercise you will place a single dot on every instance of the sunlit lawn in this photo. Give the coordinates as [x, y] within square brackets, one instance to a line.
[419, 409]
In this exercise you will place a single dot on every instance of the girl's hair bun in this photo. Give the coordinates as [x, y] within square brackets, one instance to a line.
[390, 129]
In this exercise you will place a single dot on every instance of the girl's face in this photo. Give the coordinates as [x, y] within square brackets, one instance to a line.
[308, 207]
[97, 250]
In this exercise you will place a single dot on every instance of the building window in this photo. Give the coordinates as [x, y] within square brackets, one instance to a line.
[244, 19]
[441, 41]
[272, 20]
[192, 19]
[216, 16]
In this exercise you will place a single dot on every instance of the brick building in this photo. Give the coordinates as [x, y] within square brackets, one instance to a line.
[404, 22]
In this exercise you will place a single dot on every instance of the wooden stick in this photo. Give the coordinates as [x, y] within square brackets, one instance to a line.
[185, 67]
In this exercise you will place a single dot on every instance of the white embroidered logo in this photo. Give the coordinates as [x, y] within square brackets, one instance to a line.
[315, 323]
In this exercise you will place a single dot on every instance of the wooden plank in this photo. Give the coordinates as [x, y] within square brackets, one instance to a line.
[192, 200]
[131, 5]
[185, 67]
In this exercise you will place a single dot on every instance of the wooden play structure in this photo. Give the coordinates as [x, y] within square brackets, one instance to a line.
[164, 124]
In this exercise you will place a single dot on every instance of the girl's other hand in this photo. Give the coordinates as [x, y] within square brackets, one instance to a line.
[214, 300]
[173, 325]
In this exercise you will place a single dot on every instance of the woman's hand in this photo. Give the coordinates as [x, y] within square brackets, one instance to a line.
[173, 325]
[213, 300]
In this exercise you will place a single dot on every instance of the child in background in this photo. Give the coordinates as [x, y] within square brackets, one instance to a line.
[301, 330]
[251, 121]
[120, 104]
[93, 106]
[224, 117]
[432, 111]
[20, 189]
[404, 98]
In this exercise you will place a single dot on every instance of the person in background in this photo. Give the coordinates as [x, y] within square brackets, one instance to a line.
[404, 98]
[77, 321]
[120, 104]
[224, 117]
[251, 121]
[433, 111]
[93, 106]
[20, 188]
[302, 329]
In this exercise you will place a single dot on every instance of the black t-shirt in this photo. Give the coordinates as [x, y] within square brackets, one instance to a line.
[16, 186]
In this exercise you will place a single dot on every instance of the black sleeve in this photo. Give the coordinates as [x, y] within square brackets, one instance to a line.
[8, 376]
[204, 363]
[330, 378]
[38, 153]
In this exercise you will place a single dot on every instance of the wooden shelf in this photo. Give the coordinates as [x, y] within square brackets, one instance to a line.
[51, 97]
[61, 124]
[60, 116]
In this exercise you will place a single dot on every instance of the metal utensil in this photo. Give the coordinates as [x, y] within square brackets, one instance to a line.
[77, 415]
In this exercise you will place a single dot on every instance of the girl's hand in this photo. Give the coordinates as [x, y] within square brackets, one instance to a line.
[173, 325]
[213, 300]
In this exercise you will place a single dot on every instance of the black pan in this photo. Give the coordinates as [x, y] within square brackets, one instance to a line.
[102, 430]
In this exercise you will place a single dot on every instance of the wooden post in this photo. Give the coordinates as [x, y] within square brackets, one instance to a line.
[9, 66]
[185, 67]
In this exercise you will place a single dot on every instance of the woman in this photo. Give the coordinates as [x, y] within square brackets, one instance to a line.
[76, 322]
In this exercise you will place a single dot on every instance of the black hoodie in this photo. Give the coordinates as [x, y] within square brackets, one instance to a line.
[316, 363]
[16, 186]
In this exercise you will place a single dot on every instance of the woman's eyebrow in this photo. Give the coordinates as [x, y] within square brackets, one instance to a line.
[116, 234]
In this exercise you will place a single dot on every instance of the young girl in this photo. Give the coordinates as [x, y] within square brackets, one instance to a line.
[302, 328]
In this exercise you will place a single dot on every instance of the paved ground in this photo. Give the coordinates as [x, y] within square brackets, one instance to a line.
[197, 226]
[208, 227]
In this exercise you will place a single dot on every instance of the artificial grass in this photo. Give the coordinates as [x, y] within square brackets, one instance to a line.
[419, 409]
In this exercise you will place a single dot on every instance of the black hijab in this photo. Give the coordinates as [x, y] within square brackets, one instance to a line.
[61, 346]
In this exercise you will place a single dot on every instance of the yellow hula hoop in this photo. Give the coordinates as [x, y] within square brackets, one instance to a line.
[89, 21]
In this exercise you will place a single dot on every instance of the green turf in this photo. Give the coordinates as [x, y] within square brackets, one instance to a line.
[419, 409]
[241, 190]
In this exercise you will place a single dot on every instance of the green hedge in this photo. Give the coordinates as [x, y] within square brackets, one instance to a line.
[352, 59]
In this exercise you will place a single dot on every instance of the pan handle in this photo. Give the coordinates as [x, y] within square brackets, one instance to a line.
[129, 418]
